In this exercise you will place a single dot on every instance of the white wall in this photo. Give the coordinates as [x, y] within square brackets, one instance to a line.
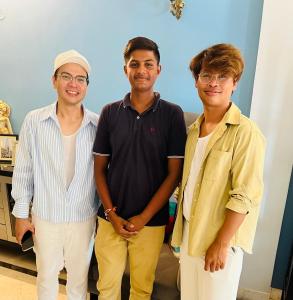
[272, 109]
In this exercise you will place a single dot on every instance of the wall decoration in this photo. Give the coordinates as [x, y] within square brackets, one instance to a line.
[5, 126]
[176, 8]
[7, 148]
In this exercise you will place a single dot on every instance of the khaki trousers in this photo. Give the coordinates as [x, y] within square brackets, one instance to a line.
[112, 251]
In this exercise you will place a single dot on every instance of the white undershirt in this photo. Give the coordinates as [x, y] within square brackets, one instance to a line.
[69, 144]
[193, 174]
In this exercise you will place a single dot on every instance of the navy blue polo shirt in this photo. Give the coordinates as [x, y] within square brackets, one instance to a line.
[138, 146]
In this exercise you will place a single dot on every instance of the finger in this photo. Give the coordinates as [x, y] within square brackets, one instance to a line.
[127, 233]
[126, 236]
[207, 265]
[212, 266]
[129, 226]
[222, 266]
[19, 237]
[32, 229]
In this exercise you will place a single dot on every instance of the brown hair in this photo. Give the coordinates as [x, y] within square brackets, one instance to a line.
[223, 58]
[141, 43]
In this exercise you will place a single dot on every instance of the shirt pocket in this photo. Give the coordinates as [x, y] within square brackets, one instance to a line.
[218, 165]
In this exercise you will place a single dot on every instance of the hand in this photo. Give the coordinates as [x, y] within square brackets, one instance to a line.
[216, 255]
[21, 227]
[121, 226]
[138, 223]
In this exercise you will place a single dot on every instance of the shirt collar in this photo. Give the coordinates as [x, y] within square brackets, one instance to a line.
[154, 107]
[232, 117]
[88, 117]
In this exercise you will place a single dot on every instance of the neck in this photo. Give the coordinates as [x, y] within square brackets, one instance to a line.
[69, 111]
[212, 117]
[69, 117]
[142, 101]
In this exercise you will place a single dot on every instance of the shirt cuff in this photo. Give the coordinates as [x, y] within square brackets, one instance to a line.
[239, 204]
[21, 209]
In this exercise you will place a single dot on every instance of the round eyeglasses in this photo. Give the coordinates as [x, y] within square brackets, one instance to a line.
[79, 79]
[208, 77]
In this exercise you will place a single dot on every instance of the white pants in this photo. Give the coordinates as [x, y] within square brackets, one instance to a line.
[61, 245]
[198, 284]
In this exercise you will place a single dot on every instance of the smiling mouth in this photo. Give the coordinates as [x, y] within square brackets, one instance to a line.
[212, 92]
[141, 78]
[74, 93]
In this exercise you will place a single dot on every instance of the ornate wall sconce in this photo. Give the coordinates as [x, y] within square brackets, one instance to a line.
[176, 7]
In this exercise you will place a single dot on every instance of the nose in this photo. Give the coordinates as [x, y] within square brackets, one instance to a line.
[214, 81]
[141, 69]
[72, 82]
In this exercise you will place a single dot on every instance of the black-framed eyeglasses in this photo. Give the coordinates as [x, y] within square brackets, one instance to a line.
[79, 79]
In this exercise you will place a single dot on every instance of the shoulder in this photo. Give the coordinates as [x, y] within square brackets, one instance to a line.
[249, 125]
[39, 114]
[112, 108]
[249, 128]
[170, 107]
[92, 116]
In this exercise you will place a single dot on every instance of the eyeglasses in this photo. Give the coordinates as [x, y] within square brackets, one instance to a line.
[207, 78]
[79, 79]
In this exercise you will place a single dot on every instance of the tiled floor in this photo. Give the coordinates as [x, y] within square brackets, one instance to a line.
[15, 285]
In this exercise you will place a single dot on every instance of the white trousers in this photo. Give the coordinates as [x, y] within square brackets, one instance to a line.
[68, 245]
[198, 284]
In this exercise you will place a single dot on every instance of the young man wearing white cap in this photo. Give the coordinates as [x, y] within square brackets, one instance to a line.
[54, 168]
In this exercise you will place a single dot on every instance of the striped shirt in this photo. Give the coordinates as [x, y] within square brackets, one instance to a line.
[39, 173]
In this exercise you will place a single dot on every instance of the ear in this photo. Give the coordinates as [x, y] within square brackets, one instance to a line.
[159, 69]
[235, 86]
[195, 83]
[54, 82]
[125, 70]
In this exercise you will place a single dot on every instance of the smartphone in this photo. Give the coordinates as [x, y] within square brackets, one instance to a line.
[27, 242]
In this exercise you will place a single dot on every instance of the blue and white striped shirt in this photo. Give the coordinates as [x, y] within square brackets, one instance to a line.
[39, 173]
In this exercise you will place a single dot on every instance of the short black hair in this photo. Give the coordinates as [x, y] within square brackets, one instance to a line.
[141, 43]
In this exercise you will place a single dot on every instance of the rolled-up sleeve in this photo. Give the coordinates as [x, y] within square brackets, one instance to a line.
[22, 180]
[247, 170]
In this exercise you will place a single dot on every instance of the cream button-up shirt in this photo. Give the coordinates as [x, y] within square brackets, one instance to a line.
[231, 177]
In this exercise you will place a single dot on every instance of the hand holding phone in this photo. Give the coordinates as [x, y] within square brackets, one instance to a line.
[27, 241]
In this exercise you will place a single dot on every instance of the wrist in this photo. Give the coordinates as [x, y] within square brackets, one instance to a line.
[112, 216]
[144, 217]
[222, 241]
[109, 211]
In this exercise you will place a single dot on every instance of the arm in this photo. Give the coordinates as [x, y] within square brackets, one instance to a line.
[215, 258]
[245, 194]
[22, 183]
[120, 225]
[161, 196]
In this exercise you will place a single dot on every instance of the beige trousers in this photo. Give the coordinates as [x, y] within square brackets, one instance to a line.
[112, 252]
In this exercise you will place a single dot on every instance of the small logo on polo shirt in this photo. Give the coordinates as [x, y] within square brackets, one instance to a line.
[152, 130]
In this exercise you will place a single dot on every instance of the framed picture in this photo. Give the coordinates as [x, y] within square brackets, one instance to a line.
[7, 148]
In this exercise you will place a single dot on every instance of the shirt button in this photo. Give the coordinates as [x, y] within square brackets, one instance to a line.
[138, 117]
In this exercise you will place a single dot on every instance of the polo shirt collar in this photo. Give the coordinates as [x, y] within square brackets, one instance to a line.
[154, 107]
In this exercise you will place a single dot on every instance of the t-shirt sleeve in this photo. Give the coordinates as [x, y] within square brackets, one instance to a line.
[177, 135]
[102, 141]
